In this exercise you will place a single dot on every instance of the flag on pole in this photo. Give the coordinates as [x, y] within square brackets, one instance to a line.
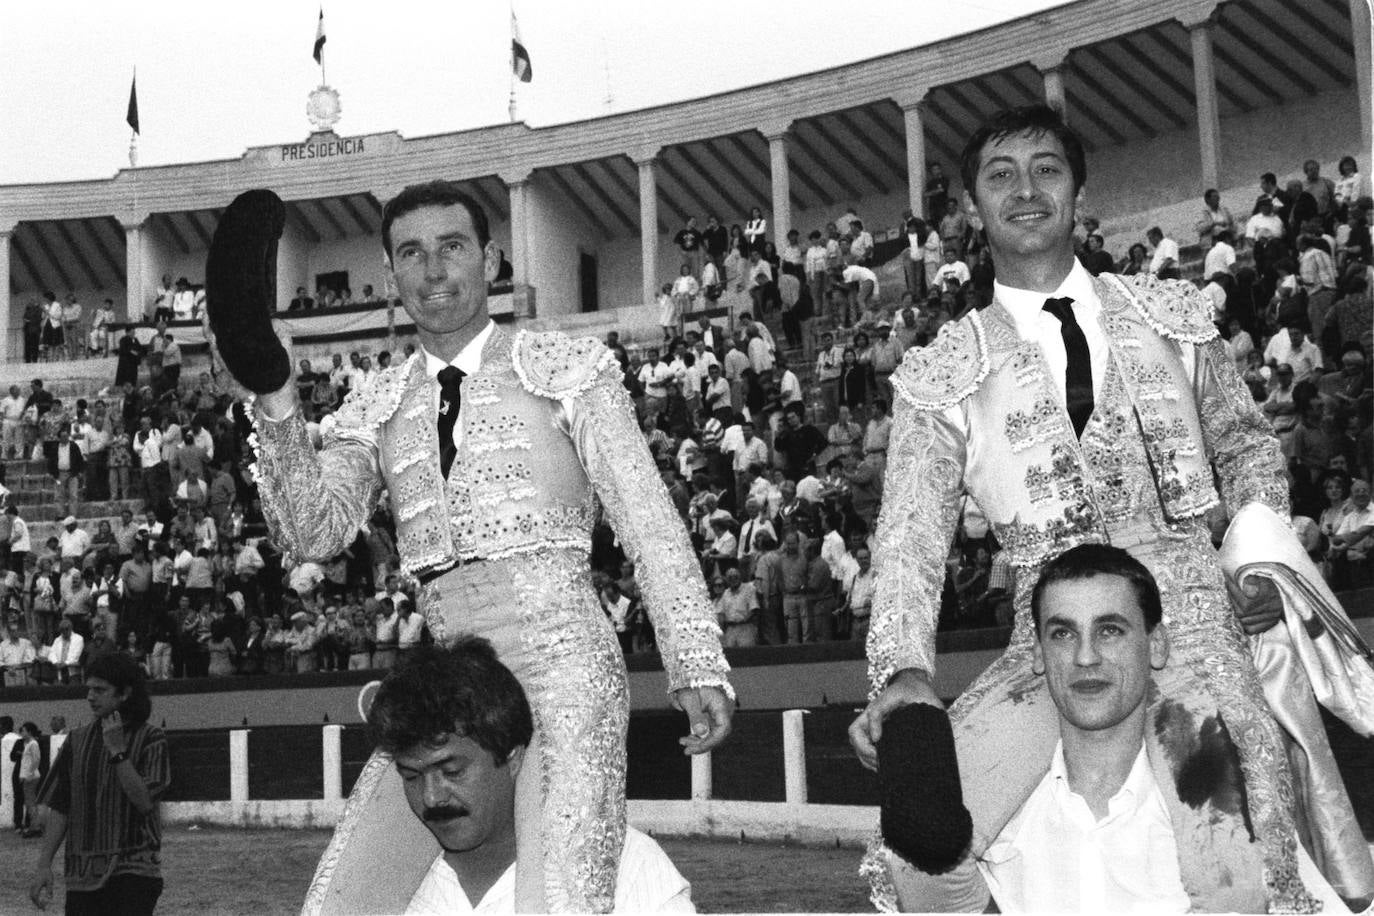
[132, 115]
[519, 57]
[319, 38]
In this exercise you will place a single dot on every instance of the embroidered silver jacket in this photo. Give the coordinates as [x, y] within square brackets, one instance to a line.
[978, 411]
[547, 430]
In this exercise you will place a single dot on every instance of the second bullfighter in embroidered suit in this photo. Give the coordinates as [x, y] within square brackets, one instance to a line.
[978, 410]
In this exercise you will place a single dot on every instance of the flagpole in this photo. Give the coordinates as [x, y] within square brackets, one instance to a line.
[512, 62]
[133, 134]
[319, 47]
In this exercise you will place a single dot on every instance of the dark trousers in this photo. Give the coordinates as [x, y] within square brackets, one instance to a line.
[18, 788]
[122, 895]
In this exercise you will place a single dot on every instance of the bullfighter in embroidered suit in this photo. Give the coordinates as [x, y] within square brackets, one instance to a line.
[496, 451]
[1077, 409]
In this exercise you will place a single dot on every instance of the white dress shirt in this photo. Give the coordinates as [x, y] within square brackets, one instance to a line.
[1032, 322]
[1056, 856]
[468, 361]
[647, 882]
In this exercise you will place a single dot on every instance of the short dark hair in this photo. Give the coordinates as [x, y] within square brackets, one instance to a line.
[433, 194]
[1087, 561]
[460, 690]
[1269, 178]
[123, 672]
[1036, 120]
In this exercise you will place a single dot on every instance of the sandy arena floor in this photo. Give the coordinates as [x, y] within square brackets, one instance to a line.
[214, 871]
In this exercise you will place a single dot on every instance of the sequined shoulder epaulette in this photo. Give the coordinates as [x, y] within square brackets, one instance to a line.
[554, 365]
[1176, 309]
[371, 405]
[949, 370]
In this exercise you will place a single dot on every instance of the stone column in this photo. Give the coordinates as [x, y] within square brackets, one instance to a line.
[385, 288]
[782, 186]
[648, 225]
[522, 295]
[913, 116]
[1051, 70]
[7, 338]
[1360, 36]
[517, 187]
[136, 298]
[1205, 88]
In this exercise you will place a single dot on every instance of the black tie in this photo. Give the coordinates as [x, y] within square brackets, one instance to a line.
[450, 379]
[1078, 374]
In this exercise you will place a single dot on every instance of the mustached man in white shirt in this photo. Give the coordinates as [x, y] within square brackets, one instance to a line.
[458, 726]
[1096, 835]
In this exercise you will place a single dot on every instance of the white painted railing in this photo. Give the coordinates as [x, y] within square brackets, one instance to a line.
[699, 815]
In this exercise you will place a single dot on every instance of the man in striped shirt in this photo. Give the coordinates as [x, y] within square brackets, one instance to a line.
[102, 793]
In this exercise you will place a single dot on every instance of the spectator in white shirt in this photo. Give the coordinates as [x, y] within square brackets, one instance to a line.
[861, 242]
[756, 522]
[1293, 347]
[73, 541]
[685, 289]
[471, 809]
[410, 628]
[1218, 285]
[1097, 835]
[760, 356]
[1265, 224]
[1164, 261]
[1316, 268]
[654, 375]
[863, 286]
[789, 388]
[65, 653]
[952, 269]
[1351, 543]
[12, 418]
[717, 393]
[737, 609]
[858, 594]
[148, 447]
[1221, 257]
[746, 320]
[16, 658]
[815, 266]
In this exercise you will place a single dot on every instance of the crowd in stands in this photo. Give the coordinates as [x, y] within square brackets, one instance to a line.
[766, 405]
[185, 578]
[329, 297]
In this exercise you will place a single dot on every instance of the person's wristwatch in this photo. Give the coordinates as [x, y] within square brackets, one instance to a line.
[119, 758]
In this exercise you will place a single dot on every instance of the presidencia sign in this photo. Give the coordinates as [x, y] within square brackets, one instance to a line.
[323, 146]
[326, 148]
